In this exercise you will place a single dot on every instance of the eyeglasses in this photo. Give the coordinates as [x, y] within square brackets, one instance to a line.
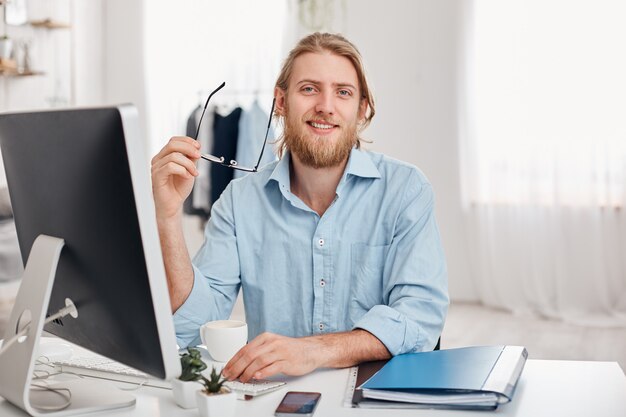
[221, 160]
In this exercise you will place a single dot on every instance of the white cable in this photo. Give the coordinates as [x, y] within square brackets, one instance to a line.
[139, 385]
[58, 391]
[69, 309]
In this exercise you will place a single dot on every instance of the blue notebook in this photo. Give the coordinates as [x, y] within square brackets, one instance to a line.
[480, 377]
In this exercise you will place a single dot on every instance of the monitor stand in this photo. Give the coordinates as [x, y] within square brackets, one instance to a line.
[17, 363]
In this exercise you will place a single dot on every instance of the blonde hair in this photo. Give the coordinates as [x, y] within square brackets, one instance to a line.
[338, 45]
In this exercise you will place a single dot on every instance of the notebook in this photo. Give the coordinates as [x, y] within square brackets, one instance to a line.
[479, 377]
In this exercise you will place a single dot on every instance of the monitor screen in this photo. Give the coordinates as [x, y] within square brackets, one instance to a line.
[83, 175]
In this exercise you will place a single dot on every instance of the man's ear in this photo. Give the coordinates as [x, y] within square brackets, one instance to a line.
[280, 95]
[362, 110]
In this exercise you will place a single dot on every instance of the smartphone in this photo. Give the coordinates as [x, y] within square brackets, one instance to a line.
[298, 404]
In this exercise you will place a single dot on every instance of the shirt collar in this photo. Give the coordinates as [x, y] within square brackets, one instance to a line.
[280, 174]
[359, 164]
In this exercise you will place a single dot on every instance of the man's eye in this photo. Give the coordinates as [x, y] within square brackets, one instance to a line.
[307, 89]
[345, 93]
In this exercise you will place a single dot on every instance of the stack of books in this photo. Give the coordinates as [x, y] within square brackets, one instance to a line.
[477, 378]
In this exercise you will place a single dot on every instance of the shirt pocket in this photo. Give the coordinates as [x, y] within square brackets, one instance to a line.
[367, 267]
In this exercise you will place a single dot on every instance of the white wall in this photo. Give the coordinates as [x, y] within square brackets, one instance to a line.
[411, 50]
[89, 68]
[124, 56]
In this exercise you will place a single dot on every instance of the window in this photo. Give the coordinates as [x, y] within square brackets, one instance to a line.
[546, 102]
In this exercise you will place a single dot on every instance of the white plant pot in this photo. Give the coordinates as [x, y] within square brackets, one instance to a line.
[217, 405]
[6, 47]
[185, 392]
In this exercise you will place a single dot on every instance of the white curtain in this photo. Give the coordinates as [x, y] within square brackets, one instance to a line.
[543, 147]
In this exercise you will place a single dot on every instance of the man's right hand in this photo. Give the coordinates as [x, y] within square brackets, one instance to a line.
[173, 173]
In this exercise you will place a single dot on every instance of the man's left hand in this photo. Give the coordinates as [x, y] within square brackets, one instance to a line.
[269, 354]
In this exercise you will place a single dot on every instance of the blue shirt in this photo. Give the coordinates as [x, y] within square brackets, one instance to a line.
[373, 261]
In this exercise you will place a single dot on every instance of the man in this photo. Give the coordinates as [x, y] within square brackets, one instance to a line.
[336, 249]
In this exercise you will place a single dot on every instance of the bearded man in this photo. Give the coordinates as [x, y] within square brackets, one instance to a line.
[336, 249]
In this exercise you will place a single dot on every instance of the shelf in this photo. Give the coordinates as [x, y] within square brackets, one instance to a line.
[8, 68]
[49, 24]
[11, 72]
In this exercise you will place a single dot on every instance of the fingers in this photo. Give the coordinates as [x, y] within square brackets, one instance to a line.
[172, 161]
[161, 176]
[236, 368]
[181, 144]
[178, 157]
[261, 362]
[258, 341]
[272, 369]
[259, 347]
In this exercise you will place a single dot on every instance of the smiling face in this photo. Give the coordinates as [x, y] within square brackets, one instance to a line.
[322, 107]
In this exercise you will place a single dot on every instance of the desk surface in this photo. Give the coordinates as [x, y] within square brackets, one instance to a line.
[546, 388]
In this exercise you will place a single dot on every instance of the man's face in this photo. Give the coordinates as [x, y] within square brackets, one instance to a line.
[322, 107]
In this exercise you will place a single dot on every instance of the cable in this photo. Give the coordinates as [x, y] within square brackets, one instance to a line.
[139, 385]
[58, 391]
[68, 309]
[43, 375]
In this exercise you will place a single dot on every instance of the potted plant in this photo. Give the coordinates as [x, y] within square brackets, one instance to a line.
[215, 400]
[186, 385]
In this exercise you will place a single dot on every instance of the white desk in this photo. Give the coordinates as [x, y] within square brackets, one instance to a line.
[546, 388]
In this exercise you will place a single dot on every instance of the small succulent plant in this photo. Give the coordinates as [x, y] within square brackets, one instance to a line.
[214, 385]
[191, 364]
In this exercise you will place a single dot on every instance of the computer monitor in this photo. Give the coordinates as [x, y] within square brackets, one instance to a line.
[83, 175]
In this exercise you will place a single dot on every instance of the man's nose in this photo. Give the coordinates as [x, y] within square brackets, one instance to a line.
[325, 103]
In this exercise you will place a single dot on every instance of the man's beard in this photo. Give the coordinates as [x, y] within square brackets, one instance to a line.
[317, 151]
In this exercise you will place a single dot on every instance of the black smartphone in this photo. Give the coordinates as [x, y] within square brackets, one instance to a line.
[298, 404]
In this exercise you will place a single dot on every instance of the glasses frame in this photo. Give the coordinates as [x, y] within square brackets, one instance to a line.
[220, 159]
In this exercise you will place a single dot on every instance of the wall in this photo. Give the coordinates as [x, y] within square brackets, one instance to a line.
[124, 57]
[89, 62]
[411, 51]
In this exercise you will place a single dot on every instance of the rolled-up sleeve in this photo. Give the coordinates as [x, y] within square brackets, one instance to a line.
[216, 275]
[415, 283]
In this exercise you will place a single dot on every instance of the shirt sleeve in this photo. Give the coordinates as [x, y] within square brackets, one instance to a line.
[216, 275]
[415, 282]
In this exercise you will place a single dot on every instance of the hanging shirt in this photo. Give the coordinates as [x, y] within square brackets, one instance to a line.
[199, 203]
[252, 128]
[373, 261]
[225, 134]
[202, 185]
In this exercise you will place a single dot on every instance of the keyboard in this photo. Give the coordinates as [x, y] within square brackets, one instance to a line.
[101, 367]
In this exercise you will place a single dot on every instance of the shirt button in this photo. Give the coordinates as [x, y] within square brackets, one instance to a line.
[321, 242]
[322, 283]
[321, 326]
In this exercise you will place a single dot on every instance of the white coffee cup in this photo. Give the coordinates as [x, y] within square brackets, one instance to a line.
[224, 338]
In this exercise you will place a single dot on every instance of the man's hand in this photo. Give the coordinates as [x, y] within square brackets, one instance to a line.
[173, 173]
[270, 354]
